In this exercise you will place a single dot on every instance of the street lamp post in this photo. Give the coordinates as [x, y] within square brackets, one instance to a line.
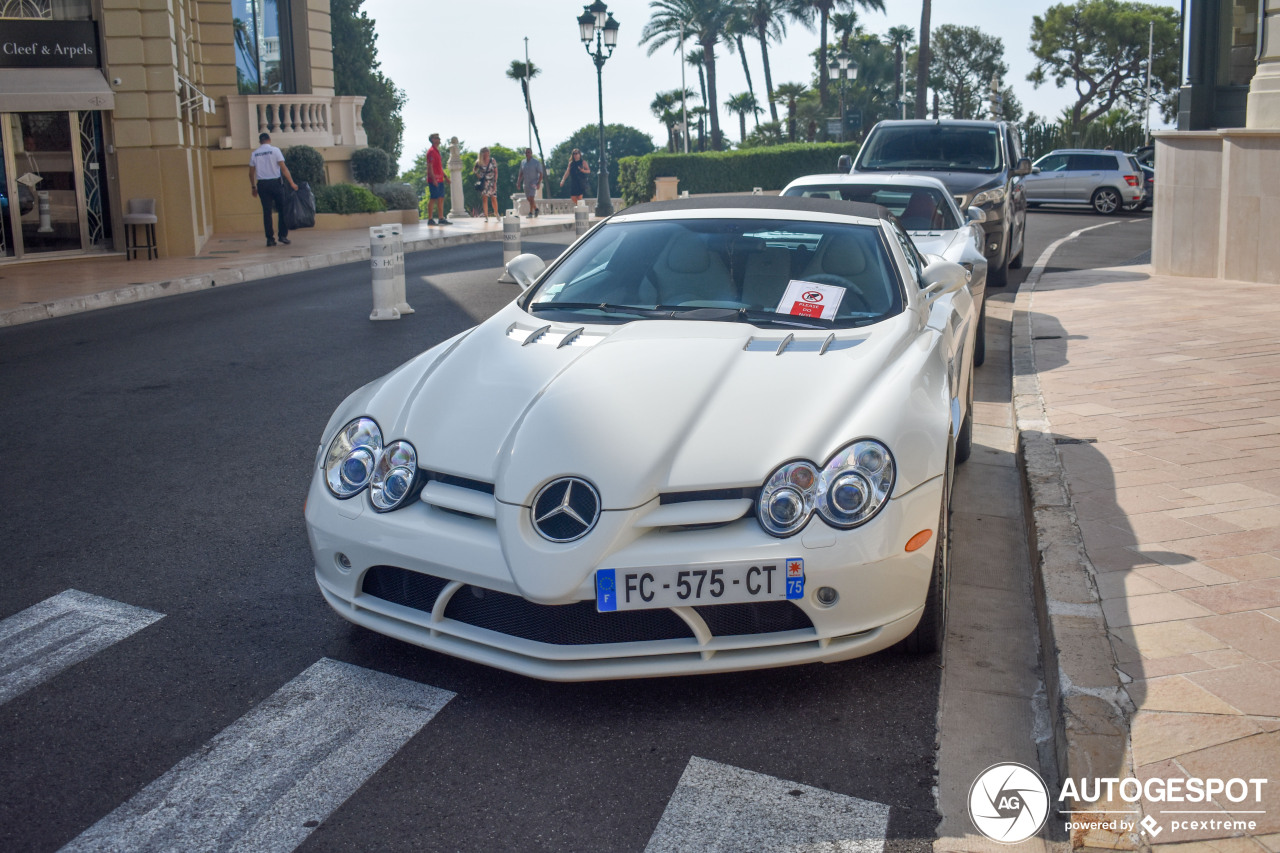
[842, 66]
[595, 23]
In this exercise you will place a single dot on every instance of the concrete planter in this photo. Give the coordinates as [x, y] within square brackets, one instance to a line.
[342, 221]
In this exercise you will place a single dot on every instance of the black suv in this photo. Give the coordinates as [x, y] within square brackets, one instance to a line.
[981, 164]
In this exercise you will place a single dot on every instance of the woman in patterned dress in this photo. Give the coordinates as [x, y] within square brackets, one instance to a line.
[486, 170]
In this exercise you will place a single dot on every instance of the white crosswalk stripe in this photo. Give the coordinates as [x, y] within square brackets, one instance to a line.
[46, 638]
[269, 778]
[722, 809]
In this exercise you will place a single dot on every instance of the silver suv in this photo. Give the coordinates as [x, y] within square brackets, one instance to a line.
[1105, 180]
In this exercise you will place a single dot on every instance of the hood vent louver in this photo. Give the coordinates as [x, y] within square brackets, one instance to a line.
[553, 336]
[791, 344]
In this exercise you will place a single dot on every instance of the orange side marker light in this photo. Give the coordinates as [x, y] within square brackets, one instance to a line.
[915, 543]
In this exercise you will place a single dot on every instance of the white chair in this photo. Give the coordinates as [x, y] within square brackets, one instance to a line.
[141, 211]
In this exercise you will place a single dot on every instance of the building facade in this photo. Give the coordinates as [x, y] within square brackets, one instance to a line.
[104, 101]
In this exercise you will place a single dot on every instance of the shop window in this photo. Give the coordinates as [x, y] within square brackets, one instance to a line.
[264, 50]
[49, 10]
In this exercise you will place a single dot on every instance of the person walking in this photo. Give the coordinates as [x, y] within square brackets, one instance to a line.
[486, 170]
[267, 174]
[576, 173]
[530, 177]
[436, 180]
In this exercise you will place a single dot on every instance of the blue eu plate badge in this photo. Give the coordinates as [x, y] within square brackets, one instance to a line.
[607, 591]
[795, 578]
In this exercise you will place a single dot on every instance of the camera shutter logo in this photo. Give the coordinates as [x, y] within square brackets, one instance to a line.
[1008, 802]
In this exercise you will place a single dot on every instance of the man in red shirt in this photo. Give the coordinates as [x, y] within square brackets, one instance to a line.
[436, 180]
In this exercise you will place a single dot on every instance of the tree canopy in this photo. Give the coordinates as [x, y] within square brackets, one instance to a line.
[621, 140]
[1100, 48]
[356, 71]
[964, 61]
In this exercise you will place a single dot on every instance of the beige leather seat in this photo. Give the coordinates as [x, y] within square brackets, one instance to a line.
[766, 275]
[689, 271]
[843, 255]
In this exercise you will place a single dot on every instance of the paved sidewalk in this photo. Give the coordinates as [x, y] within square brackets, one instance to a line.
[1162, 396]
[44, 289]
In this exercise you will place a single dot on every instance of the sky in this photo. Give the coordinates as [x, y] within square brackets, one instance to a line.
[451, 58]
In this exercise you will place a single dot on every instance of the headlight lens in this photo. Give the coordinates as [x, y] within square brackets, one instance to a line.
[394, 477]
[788, 497]
[855, 484]
[994, 196]
[352, 457]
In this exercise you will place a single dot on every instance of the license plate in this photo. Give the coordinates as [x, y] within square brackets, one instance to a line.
[687, 586]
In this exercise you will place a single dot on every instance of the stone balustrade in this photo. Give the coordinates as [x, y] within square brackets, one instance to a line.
[321, 121]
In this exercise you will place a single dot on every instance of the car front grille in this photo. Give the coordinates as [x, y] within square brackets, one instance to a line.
[578, 623]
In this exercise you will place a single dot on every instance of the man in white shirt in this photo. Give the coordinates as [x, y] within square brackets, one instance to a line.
[266, 165]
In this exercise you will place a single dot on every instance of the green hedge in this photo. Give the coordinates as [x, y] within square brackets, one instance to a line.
[305, 164]
[347, 198]
[770, 168]
[396, 196]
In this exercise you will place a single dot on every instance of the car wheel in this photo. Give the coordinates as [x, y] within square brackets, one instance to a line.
[998, 276]
[1016, 262]
[980, 345]
[931, 630]
[964, 441]
[1105, 201]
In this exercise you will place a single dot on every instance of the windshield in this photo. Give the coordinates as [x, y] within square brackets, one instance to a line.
[917, 208]
[940, 148]
[761, 271]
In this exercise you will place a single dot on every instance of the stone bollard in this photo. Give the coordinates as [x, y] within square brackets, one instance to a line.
[510, 245]
[382, 259]
[46, 221]
[581, 219]
[395, 232]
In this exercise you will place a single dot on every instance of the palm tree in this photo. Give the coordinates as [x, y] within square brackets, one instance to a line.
[822, 9]
[900, 37]
[768, 19]
[740, 26]
[704, 20]
[845, 25]
[789, 93]
[696, 58]
[923, 58]
[743, 104]
[524, 72]
[666, 107]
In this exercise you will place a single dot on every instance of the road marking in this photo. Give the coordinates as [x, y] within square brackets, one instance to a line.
[266, 781]
[38, 643]
[722, 809]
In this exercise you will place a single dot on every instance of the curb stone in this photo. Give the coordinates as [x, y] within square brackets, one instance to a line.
[239, 275]
[1088, 706]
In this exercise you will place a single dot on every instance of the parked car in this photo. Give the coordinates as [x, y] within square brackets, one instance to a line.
[1148, 185]
[1145, 154]
[981, 164]
[1105, 180]
[928, 213]
[714, 435]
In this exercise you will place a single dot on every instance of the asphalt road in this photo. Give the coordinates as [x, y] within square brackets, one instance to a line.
[160, 458]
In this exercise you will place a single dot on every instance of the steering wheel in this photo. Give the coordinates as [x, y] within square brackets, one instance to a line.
[850, 289]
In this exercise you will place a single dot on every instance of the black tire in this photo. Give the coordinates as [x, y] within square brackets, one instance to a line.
[998, 275]
[931, 631]
[1106, 201]
[964, 441]
[980, 345]
[1016, 262]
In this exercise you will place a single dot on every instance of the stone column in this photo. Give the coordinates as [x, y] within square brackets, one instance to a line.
[1263, 110]
[457, 207]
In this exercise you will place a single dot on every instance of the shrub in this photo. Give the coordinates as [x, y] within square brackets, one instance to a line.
[770, 168]
[370, 165]
[347, 198]
[305, 164]
[396, 196]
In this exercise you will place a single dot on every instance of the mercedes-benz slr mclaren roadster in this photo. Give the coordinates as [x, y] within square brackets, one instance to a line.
[713, 435]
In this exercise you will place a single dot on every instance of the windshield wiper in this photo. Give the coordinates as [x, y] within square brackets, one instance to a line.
[602, 307]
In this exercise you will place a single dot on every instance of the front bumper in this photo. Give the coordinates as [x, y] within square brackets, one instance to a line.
[447, 568]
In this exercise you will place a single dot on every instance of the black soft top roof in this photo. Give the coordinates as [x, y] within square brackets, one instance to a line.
[763, 203]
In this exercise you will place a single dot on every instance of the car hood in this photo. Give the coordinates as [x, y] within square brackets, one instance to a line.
[935, 242]
[643, 408]
[968, 183]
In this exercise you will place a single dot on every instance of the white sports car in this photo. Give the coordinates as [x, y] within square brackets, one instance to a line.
[928, 212]
[713, 435]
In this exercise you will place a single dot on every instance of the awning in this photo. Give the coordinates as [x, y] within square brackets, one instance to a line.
[28, 90]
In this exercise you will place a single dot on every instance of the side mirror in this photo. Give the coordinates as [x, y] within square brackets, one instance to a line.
[1024, 167]
[844, 164]
[940, 278]
[976, 214]
[1035, 170]
[525, 269]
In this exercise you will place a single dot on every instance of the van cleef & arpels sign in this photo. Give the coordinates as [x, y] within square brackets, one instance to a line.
[49, 44]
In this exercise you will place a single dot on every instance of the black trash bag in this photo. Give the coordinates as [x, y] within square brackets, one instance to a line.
[300, 207]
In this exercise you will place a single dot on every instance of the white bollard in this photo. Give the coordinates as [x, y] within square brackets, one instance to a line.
[396, 234]
[510, 245]
[46, 221]
[581, 219]
[383, 262]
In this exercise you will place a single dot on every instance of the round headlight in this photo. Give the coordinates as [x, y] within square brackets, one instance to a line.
[393, 478]
[787, 499]
[855, 484]
[352, 456]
